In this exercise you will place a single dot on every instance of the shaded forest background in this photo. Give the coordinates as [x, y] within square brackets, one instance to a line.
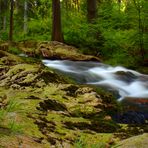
[116, 30]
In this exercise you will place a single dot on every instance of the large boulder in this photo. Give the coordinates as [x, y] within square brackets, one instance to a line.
[139, 141]
[57, 50]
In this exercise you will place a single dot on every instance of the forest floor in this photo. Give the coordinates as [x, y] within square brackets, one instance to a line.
[42, 108]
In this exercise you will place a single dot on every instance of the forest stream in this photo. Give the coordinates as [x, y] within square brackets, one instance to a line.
[56, 89]
[128, 86]
[58, 102]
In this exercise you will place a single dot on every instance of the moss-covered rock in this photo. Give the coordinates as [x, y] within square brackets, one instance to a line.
[9, 59]
[139, 141]
[4, 46]
[63, 118]
[57, 50]
[45, 109]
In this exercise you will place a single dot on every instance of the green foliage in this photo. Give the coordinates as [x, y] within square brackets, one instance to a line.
[15, 127]
[123, 38]
[120, 31]
[82, 143]
[14, 50]
[4, 35]
[12, 106]
[2, 115]
[5, 116]
[40, 28]
[82, 35]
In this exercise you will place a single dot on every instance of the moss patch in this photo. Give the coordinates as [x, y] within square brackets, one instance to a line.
[43, 109]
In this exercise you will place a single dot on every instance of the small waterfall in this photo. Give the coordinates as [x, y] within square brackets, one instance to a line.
[130, 87]
[128, 83]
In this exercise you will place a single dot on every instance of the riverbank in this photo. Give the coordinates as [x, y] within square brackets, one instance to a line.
[38, 103]
[42, 108]
[57, 50]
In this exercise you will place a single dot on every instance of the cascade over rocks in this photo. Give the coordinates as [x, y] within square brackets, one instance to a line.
[54, 111]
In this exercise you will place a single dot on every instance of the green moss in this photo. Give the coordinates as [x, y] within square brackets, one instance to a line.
[29, 78]
[24, 68]
[139, 141]
[22, 122]
[61, 118]
[7, 58]
[50, 108]
[95, 141]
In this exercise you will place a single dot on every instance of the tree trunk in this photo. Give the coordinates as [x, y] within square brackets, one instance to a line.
[0, 17]
[141, 29]
[25, 16]
[56, 22]
[4, 22]
[119, 4]
[11, 20]
[5, 14]
[91, 10]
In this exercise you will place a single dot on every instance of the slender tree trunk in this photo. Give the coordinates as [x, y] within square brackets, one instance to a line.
[25, 16]
[11, 20]
[119, 3]
[78, 6]
[5, 16]
[141, 29]
[91, 10]
[56, 22]
[141, 43]
[0, 17]
[4, 22]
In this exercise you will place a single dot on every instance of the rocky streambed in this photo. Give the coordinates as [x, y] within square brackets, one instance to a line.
[42, 108]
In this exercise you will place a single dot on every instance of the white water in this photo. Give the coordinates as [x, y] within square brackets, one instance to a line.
[128, 83]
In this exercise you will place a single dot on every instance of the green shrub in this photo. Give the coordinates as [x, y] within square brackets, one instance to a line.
[81, 143]
[14, 50]
[7, 119]
[4, 35]
[15, 127]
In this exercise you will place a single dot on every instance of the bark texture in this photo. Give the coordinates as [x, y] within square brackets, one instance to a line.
[56, 23]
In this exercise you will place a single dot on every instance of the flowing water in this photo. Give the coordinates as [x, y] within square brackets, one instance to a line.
[128, 83]
[129, 86]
